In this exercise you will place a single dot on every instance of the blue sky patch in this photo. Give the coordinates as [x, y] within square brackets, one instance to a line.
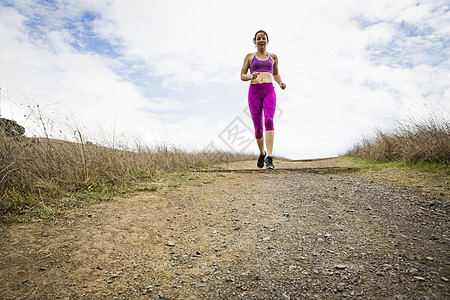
[47, 16]
[87, 40]
[412, 45]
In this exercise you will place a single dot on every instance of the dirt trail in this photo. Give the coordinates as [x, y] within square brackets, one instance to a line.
[253, 234]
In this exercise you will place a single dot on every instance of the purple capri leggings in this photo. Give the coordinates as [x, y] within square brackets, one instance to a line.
[261, 97]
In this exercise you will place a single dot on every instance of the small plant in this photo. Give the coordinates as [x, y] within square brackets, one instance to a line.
[145, 188]
[14, 200]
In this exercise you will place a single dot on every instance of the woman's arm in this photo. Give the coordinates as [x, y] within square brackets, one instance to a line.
[245, 67]
[276, 75]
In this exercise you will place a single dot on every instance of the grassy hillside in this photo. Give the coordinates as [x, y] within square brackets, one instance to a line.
[45, 176]
[414, 143]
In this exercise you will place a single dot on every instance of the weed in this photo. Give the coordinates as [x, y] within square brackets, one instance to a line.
[14, 200]
[144, 188]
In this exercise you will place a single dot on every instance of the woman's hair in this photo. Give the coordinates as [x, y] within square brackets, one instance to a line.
[259, 31]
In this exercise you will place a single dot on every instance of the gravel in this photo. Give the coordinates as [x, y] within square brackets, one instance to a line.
[267, 235]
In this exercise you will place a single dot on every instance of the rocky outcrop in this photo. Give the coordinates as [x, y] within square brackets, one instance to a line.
[11, 128]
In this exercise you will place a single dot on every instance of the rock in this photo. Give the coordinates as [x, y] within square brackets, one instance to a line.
[419, 259]
[340, 287]
[444, 279]
[419, 278]
[171, 243]
[429, 258]
[285, 297]
[413, 271]
[200, 284]
[11, 128]
[340, 267]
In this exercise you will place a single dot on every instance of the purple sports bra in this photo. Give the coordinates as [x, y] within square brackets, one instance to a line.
[258, 65]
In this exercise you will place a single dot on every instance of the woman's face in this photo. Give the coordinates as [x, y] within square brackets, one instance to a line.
[261, 40]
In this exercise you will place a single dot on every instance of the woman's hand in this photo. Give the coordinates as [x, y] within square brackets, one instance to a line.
[254, 75]
[282, 85]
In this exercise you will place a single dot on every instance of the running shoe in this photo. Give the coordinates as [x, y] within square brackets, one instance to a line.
[260, 163]
[269, 162]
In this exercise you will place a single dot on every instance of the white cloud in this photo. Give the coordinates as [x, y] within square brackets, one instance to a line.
[65, 81]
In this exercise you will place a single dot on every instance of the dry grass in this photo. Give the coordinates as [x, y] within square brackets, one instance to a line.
[426, 141]
[36, 173]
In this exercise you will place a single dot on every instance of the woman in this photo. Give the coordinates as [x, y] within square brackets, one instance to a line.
[261, 94]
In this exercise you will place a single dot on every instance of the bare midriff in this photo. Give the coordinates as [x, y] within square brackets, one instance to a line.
[263, 77]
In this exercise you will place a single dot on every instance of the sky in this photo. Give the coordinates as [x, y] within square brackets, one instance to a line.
[167, 73]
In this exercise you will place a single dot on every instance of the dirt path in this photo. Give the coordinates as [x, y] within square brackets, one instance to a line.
[239, 233]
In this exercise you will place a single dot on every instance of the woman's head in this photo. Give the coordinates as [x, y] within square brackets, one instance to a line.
[260, 33]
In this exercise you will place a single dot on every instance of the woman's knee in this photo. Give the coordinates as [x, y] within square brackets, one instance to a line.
[259, 134]
[269, 124]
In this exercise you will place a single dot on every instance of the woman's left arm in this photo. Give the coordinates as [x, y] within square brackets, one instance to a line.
[276, 75]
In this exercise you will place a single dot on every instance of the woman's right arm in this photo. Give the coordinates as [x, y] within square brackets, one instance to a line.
[245, 67]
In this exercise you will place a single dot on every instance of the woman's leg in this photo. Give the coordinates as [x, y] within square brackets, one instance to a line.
[269, 141]
[269, 106]
[256, 110]
[260, 143]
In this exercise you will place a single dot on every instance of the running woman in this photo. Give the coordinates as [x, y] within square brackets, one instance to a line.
[261, 94]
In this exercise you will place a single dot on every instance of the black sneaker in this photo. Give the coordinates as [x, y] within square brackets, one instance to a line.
[269, 162]
[260, 162]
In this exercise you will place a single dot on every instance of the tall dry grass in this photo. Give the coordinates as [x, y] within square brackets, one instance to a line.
[36, 171]
[422, 141]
